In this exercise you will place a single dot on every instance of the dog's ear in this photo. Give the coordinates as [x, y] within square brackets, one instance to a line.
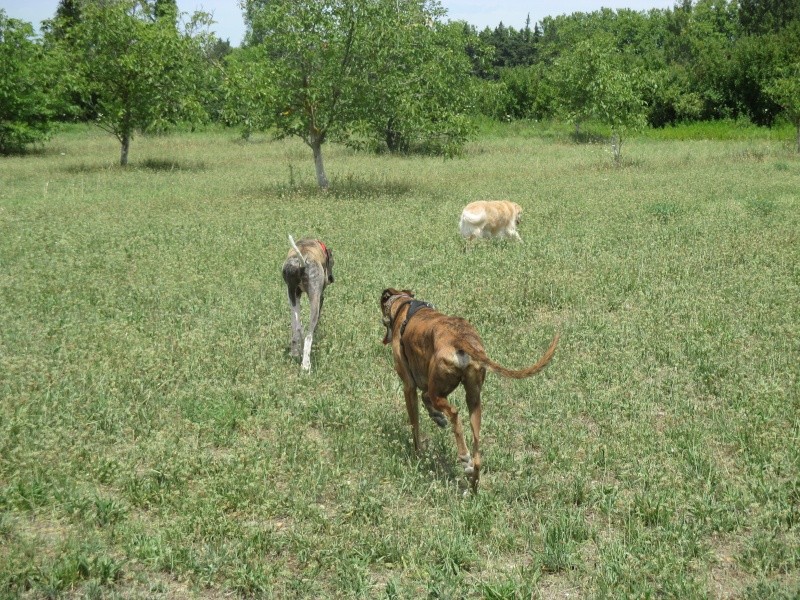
[387, 293]
[409, 292]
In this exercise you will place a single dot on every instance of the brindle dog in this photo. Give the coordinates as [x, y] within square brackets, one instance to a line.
[308, 268]
[435, 353]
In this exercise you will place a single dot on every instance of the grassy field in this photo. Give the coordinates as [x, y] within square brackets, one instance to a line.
[157, 440]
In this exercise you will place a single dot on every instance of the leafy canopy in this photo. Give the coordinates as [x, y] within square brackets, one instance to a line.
[26, 107]
[785, 91]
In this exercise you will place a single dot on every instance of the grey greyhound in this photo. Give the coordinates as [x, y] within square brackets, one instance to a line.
[308, 268]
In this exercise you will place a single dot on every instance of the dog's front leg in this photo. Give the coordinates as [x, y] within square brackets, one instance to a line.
[412, 406]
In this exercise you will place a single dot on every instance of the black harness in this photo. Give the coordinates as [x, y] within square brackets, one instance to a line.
[414, 306]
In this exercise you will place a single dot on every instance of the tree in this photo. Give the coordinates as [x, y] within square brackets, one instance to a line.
[785, 91]
[592, 84]
[134, 69]
[338, 68]
[764, 16]
[26, 108]
[423, 106]
[68, 14]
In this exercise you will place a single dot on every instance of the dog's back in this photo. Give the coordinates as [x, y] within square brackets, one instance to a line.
[456, 341]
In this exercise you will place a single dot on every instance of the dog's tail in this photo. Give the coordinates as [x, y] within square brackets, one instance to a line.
[473, 218]
[296, 249]
[522, 373]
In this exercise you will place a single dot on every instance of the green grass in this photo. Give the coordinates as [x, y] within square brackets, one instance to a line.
[157, 441]
[723, 130]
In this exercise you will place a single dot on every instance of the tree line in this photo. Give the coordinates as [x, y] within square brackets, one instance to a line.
[393, 75]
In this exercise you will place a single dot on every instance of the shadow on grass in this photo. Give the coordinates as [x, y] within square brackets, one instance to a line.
[349, 187]
[154, 165]
[32, 150]
[587, 137]
[437, 455]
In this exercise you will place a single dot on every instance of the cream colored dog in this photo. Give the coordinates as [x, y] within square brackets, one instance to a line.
[497, 218]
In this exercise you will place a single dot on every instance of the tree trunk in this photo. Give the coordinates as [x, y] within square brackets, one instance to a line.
[798, 136]
[394, 139]
[616, 147]
[316, 146]
[126, 144]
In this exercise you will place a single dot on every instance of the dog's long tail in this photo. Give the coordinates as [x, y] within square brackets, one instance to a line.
[296, 249]
[522, 373]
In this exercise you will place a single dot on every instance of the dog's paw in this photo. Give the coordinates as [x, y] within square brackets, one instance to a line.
[466, 462]
[438, 418]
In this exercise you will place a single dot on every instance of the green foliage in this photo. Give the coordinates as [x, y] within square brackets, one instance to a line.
[248, 95]
[527, 93]
[785, 91]
[765, 16]
[26, 106]
[710, 59]
[136, 72]
[513, 48]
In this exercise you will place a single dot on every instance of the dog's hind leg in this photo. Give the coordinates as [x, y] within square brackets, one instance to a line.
[315, 302]
[441, 405]
[472, 386]
[434, 414]
[297, 327]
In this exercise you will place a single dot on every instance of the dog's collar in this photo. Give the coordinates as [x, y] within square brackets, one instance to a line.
[390, 302]
[414, 306]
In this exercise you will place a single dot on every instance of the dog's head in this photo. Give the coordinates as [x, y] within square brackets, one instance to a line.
[517, 213]
[388, 298]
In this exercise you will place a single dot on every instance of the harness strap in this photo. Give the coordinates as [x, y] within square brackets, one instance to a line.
[415, 305]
